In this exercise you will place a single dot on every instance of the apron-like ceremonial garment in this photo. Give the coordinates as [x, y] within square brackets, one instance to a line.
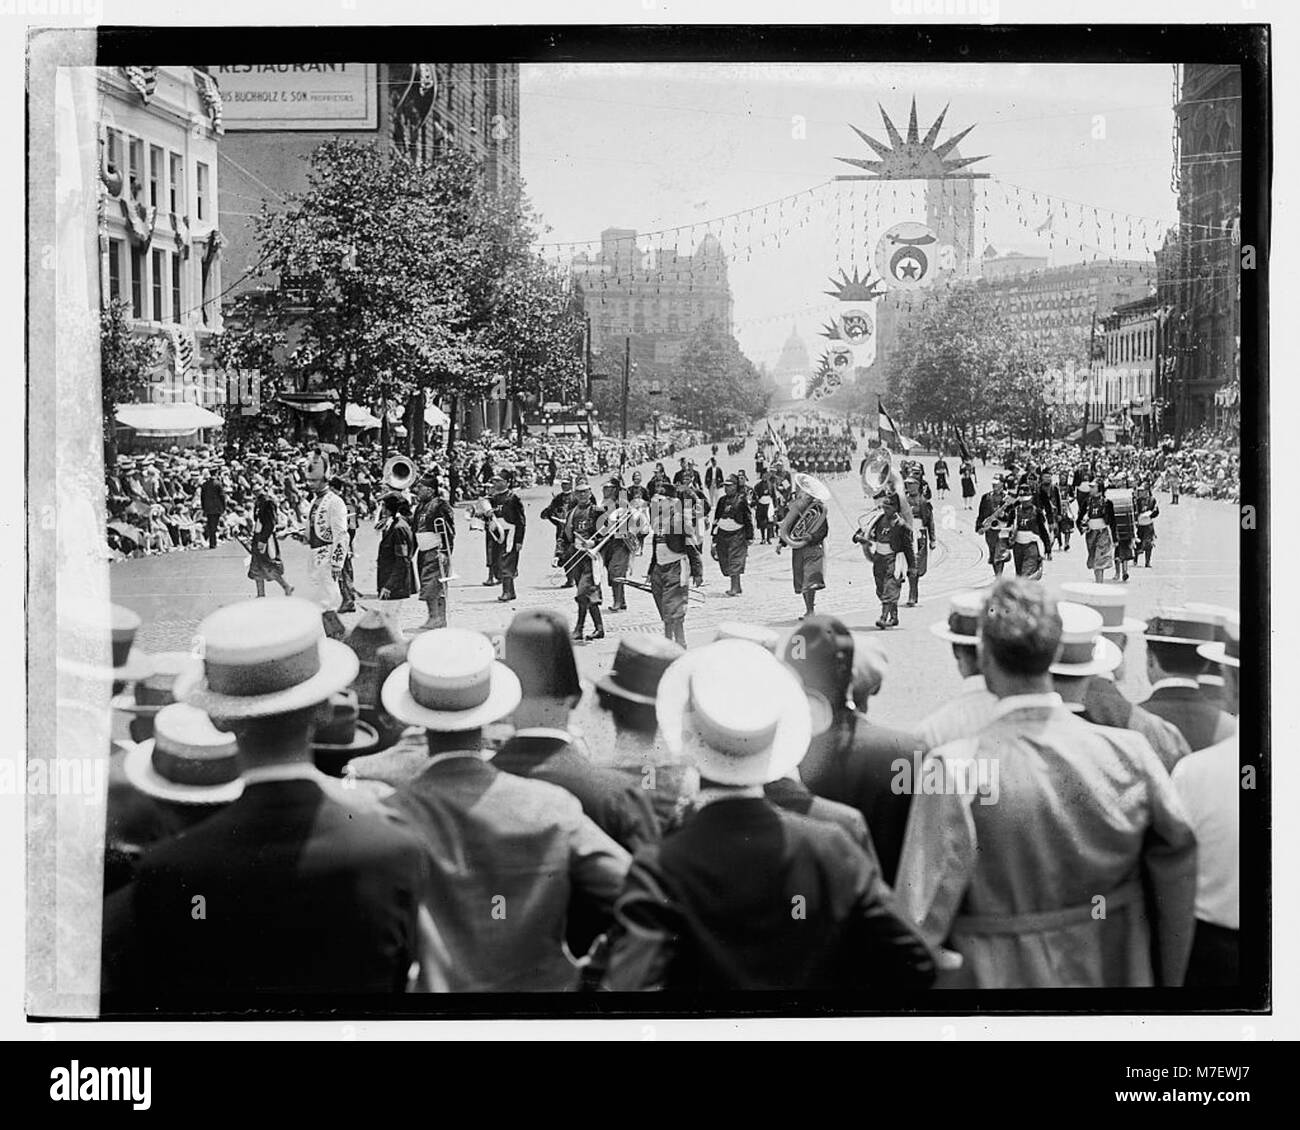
[733, 551]
[1101, 547]
[808, 568]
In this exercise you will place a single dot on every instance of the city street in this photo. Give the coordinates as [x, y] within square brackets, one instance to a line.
[1195, 560]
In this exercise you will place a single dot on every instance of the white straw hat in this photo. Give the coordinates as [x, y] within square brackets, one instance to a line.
[187, 761]
[1084, 650]
[451, 681]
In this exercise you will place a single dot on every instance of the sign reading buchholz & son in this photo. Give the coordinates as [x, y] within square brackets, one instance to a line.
[299, 96]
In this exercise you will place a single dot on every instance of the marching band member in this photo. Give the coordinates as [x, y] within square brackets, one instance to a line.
[585, 527]
[509, 512]
[1147, 510]
[941, 476]
[432, 562]
[672, 524]
[733, 530]
[1123, 533]
[1031, 539]
[990, 521]
[887, 543]
[395, 559]
[808, 559]
[1097, 523]
[555, 512]
[1066, 510]
[617, 549]
[327, 538]
[923, 532]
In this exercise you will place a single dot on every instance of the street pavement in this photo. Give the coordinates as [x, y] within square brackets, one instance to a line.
[1195, 559]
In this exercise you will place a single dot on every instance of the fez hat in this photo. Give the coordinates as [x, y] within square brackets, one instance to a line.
[539, 651]
[265, 657]
[736, 711]
[187, 761]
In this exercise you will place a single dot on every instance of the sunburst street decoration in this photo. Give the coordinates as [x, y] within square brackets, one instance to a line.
[859, 288]
[913, 158]
[831, 332]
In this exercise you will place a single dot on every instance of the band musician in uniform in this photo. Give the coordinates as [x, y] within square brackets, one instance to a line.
[432, 563]
[992, 520]
[923, 533]
[555, 512]
[672, 524]
[1097, 524]
[327, 538]
[1032, 540]
[1147, 510]
[585, 524]
[887, 543]
[511, 520]
[627, 526]
[733, 530]
[808, 556]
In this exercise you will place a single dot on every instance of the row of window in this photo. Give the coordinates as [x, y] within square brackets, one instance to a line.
[164, 174]
[1134, 345]
[155, 283]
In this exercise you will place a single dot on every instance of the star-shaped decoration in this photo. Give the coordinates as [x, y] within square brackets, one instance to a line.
[859, 288]
[832, 332]
[909, 269]
[916, 157]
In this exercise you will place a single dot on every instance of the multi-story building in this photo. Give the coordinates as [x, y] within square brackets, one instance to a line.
[1123, 386]
[1205, 289]
[995, 266]
[950, 214]
[658, 297]
[159, 211]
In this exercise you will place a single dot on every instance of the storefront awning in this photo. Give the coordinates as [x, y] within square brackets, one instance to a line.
[359, 417]
[167, 419]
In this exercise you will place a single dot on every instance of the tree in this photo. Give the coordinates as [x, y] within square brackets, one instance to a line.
[124, 359]
[715, 387]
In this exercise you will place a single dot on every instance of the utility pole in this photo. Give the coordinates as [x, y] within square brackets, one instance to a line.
[590, 440]
[627, 365]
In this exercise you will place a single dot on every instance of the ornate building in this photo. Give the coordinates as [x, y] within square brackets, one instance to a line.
[656, 296]
[1204, 290]
[158, 213]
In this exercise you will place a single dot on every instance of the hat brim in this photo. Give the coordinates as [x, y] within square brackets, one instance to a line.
[126, 704]
[1129, 626]
[779, 759]
[339, 666]
[607, 686]
[1106, 656]
[1217, 653]
[941, 629]
[1189, 641]
[139, 769]
[504, 695]
[364, 737]
[138, 666]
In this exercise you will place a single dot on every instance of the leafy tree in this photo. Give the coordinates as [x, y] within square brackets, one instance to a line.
[715, 387]
[124, 359]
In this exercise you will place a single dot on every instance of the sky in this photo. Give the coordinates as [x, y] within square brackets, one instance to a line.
[659, 146]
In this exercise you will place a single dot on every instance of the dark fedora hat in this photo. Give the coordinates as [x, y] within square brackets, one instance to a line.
[343, 737]
[538, 649]
[639, 664]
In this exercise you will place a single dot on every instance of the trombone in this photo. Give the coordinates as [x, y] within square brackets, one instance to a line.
[442, 533]
[596, 546]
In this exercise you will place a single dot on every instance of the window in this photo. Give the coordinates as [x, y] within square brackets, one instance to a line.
[156, 284]
[115, 270]
[177, 308]
[201, 187]
[176, 184]
[136, 164]
[114, 146]
[155, 176]
[137, 283]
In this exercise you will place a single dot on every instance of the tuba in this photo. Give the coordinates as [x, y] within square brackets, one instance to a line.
[806, 513]
[399, 473]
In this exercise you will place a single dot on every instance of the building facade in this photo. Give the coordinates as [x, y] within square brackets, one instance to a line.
[1204, 283]
[159, 213]
[1123, 389]
[656, 296]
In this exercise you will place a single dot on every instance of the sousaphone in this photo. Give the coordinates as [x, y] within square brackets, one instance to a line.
[399, 473]
[806, 514]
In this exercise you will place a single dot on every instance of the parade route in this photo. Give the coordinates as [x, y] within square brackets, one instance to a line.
[1196, 559]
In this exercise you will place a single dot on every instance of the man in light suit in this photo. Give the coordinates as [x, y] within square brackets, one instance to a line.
[299, 886]
[1028, 824]
[521, 881]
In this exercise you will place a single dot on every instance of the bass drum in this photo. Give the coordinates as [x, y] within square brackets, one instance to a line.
[1125, 526]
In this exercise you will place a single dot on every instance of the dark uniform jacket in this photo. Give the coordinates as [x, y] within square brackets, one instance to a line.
[1201, 722]
[613, 800]
[746, 895]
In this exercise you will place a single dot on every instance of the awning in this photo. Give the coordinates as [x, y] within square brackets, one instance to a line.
[435, 417]
[358, 417]
[310, 405]
[167, 419]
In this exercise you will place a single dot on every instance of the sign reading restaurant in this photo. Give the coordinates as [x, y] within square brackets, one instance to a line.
[299, 96]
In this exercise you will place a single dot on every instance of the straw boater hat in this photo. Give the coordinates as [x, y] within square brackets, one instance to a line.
[1182, 626]
[451, 681]
[736, 711]
[1109, 602]
[1223, 619]
[90, 633]
[766, 638]
[1227, 651]
[963, 623]
[1084, 650]
[265, 657]
[155, 691]
[187, 761]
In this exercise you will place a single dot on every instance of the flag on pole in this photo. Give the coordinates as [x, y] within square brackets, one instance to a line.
[965, 451]
[778, 443]
[888, 435]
